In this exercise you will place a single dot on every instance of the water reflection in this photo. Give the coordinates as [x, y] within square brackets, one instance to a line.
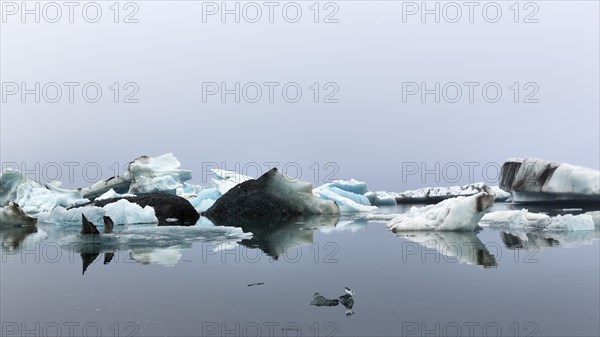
[539, 240]
[276, 236]
[464, 247]
[12, 238]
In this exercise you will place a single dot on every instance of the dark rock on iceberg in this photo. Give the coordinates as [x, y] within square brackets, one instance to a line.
[539, 181]
[272, 195]
[166, 206]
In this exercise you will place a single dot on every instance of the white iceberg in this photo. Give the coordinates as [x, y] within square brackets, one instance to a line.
[455, 214]
[125, 212]
[523, 219]
[226, 180]
[501, 195]
[32, 196]
[121, 212]
[144, 175]
[437, 194]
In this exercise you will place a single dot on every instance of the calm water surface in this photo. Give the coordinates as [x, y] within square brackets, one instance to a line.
[415, 284]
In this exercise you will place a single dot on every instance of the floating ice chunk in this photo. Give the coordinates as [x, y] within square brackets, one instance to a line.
[501, 195]
[570, 222]
[125, 212]
[437, 194]
[515, 219]
[112, 194]
[34, 198]
[226, 180]
[524, 219]
[381, 198]
[596, 217]
[537, 180]
[121, 212]
[456, 214]
[61, 215]
[345, 204]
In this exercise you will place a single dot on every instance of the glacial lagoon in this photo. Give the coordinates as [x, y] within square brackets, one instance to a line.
[218, 281]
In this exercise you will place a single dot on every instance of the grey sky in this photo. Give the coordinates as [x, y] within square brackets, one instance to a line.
[368, 54]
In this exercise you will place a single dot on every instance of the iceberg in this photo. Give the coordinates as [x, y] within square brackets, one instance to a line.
[125, 212]
[523, 219]
[156, 208]
[347, 202]
[227, 180]
[455, 214]
[166, 209]
[144, 175]
[272, 195]
[32, 196]
[536, 180]
[437, 194]
[349, 195]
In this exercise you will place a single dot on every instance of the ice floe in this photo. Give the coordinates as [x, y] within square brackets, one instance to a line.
[437, 194]
[523, 219]
[455, 214]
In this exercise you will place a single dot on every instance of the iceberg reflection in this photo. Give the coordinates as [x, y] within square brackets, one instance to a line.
[464, 247]
[539, 240]
[275, 236]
